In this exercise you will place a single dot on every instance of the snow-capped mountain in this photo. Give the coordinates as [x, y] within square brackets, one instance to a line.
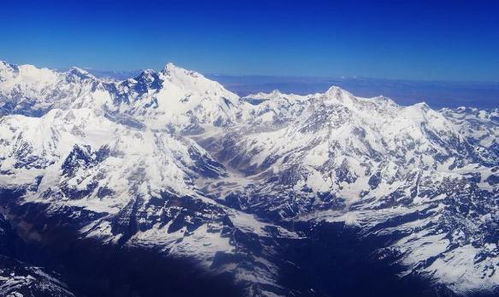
[174, 98]
[173, 161]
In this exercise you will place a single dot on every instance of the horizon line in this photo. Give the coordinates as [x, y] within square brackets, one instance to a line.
[96, 71]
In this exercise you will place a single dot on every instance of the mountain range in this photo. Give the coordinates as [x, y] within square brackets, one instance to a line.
[245, 187]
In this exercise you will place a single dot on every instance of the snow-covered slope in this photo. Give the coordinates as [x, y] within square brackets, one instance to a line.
[411, 172]
[28, 90]
[125, 185]
[479, 127]
[424, 177]
[174, 98]
[173, 161]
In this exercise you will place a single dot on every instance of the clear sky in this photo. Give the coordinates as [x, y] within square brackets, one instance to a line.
[430, 40]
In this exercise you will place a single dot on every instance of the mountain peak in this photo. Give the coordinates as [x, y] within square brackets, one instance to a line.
[335, 93]
[147, 74]
[335, 90]
[170, 68]
[148, 78]
[76, 72]
[4, 66]
[276, 92]
[173, 70]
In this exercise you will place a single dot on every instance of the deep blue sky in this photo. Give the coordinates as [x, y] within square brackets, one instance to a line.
[424, 40]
